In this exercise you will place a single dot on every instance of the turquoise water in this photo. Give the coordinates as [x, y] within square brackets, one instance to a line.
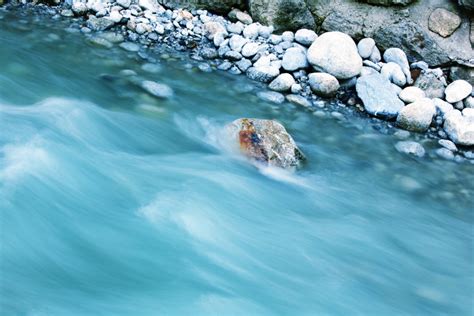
[116, 203]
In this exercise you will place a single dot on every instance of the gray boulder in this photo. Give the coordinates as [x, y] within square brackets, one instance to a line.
[379, 98]
[221, 7]
[266, 142]
[335, 53]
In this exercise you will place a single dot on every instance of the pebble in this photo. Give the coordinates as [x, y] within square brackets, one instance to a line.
[282, 83]
[323, 84]
[394, 73]
[287, 36]
[411, 94]
[129, 46]
[250, 49]
[251, 31]
[448, 144]
[445, 153]
[305, 37]
[263, 73]
[298, 100]
[410, 148]
[397, 56]
[157, 89]
[365, 47]
[417, 116]
[271, 96]
[294, 58]
[236, 43]
[243, 64]
[457, 91]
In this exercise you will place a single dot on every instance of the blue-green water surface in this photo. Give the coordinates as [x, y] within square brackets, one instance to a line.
[113, 202]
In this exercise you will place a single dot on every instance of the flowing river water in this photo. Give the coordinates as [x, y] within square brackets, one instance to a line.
[116, 203]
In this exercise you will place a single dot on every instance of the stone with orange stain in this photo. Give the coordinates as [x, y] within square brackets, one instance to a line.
[266, 142]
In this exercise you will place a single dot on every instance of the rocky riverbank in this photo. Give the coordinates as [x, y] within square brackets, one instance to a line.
[302, 67]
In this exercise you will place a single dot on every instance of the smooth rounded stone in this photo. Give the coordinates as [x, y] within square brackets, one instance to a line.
[226, 65]
[305, 37]
[396, 88]
[222, 50]
[443, 22]
[459, 105]
[99, 24]
[263, 73]
[323, 84]
[265, 142]
[219, 39]
[468, 113]
[275, 39]
[375, 57]
[433, 85]
[67, 13]
[402, 134]
[445, 153]
[129, 46]
[282, 83]
[251, 31]
[422, 65]
[294, 58]
[469, 102]
[100, 42]
[265, 31]
[394, 73]
[208, 53]
[243, 17]
[271, 96]
[335, 53]
[115, 16]
[459, 127]
[379, 98]
[288, 36]
[367, 71]
[235, 70]
[265, 60]
[417, 116]
[372, 65]
[397, 56]
[232, 55]
[244, 64]
[79, 8]
[235, 28]
[158, 90]
[250, 49]
[296, 88]
[236, 43]
[457, 91]
[211, 28]
[365, 47]
[160, 29]
[140, 29]
[448, 144]
[151, 68]
[410, 148]
[298, 100]
[411, 94]
[442, 107]
[127, 72]
[124, 3]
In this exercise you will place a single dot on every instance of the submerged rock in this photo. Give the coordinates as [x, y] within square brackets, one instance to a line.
[410, 148]
[159, 90]
[265, 141]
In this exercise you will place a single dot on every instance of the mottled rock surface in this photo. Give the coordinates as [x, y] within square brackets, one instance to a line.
[266, 142]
